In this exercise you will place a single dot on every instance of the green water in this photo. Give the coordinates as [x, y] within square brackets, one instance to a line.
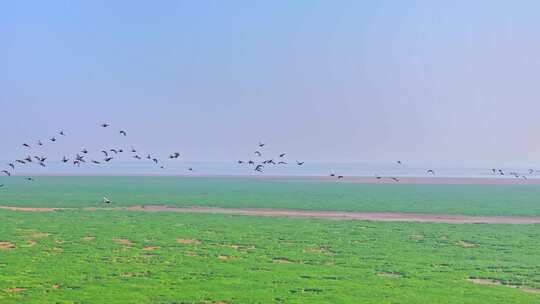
[271, 193]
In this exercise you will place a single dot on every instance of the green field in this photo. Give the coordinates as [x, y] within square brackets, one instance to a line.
[111, 256]
[259, 192]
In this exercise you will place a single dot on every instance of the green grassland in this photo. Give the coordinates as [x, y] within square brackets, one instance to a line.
[137, 257]
[260, 192]
[113, 256]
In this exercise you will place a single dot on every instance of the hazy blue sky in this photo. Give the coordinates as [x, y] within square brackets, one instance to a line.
[435, 81]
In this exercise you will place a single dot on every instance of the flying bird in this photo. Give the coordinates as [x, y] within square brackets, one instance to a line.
[84, 151]
[332, 175]
[259, 168]
[123, 132]
[399, 162]
[95, 162]
[26, 145]
[42, 164]
[261, 144]
[12, 166]
[282, 155]
[108, 159]
[53, 139]
[190, 169]
[340, 177]
[430, 171]
[240, 162]
[106, 200]
[299, 163]
[39, 143]
[105, 125]
[377, 176]
[258, 153]
[251, 162]
[114, 150]
[62, 133]
[282, 163]
[28, 159]
[30, 179]
[20, 161]
[137, 157]
[395, 179]
[155, 160]
[133, 150]
[6, 172]
[65, 160]
[105, 152]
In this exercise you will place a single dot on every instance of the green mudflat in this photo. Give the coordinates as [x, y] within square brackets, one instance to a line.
[95, 255]
[272, 193]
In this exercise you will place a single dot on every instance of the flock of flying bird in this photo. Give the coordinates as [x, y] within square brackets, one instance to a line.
[81, 157]
[110, 154]
[260, 165]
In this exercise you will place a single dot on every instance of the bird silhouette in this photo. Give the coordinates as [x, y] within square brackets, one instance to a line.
[258, 153]
[80, 158]
[20, 161]
[105, 152]
[430, 171]
[26, 145]
[12, 166]
[377, 176]
[282, 155]
[42, 164]
[53, 139]
[240, 162]
[133, 150]
[340, 177]
[395, 179]
[28, 159]
[39, 143]
[251, 162]
[259, 168]
[30, 179]
[155, 160]
[123, 132]
[190, 169]
[282, 163]
[261, 144]
[399, 162]
[95, 162]
[105, 125]
[108, 159]
[65, 160]
[137, 157]
[62, 133]
[84, 151]
[6, 172]
[332, 175]
[106, 200]
[114, 150]
[299, 163]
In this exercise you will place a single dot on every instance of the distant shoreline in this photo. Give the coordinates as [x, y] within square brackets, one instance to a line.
[428, 180]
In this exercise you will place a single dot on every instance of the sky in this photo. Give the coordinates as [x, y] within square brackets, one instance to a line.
[442, 82]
